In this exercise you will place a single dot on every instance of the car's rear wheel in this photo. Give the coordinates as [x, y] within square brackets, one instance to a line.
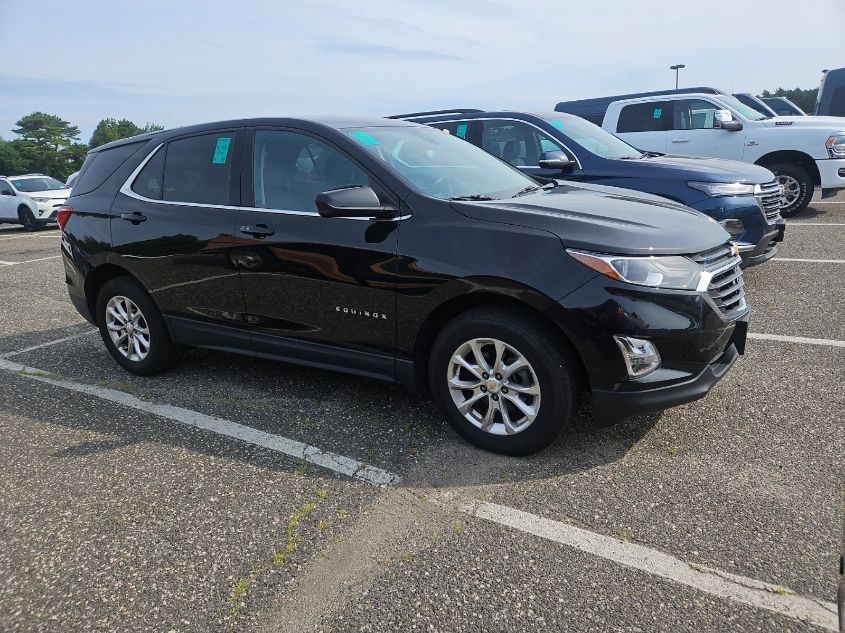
[798, 187]
[503, 380]
[133, 329]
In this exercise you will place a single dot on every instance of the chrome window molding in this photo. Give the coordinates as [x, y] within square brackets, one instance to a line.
[126, 189]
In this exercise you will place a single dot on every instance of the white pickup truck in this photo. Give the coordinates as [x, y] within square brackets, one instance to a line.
[804, 152]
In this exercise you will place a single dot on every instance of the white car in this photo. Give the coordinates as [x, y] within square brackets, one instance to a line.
[31, 199]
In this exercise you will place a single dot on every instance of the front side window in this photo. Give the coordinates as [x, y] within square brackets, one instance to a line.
[198, 169]
[440, 165]
[6, 188]
[31, 185]
[695, 114]
[654, 116]
[290, 169]
[593, 138]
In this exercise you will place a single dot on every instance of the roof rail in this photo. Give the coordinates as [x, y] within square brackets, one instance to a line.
[414, 115]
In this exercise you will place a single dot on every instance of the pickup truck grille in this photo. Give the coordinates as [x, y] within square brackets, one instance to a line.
[726, 287]
[770, 199]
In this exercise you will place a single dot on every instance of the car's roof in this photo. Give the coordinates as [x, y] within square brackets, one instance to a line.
[337, 122]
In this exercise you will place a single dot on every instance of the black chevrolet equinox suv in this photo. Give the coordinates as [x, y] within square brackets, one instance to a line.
[395, 251]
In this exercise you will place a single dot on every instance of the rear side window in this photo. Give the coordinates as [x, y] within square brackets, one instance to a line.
[149, 181]
[654, 116]
[199, 168]
[98, 166]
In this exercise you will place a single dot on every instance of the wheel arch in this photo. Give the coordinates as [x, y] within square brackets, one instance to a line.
[454, 307]
[792, 156]
[98, 277]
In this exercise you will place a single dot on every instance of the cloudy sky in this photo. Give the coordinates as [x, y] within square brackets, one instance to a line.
[176, 62]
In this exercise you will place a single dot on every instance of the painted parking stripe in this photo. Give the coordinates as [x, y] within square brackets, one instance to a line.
[809, 261]
[21, 237]
[299, 450]
[815, 223]
[29, 261]
[712, 581]
[747, 591]
[796, 339]
[49, 343]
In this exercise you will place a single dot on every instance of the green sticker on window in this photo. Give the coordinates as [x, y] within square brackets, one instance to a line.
[462, 130]
[221, 150]
[556, 124]
[658, 112]
[363, 138]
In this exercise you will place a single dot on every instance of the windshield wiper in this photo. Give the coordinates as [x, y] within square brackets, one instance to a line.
[533, 188]
[472, 197]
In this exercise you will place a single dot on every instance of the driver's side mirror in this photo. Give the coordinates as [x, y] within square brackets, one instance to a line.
[353, 202]
[555, 160]
[724, 119]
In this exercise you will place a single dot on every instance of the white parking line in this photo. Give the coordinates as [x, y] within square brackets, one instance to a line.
[796, 339]
[721, 584]
[29, 261]
[811, 261]
[751, 592]
[284, 445]
[20, 237]
[815, 224]
[49, 343]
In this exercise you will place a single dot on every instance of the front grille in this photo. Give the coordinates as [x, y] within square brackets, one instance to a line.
[770, 199]
[726, 286]
[770, 247]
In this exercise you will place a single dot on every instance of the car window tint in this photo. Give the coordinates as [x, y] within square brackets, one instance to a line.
[149, 181]
[654, 116]
[98, 166]
[290, 169]
[511, 141]
[694, 114]
[456, 128]
[5, 187]
[198, 169]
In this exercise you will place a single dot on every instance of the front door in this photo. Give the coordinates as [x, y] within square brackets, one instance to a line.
[696, 133]
[316, 289]
[173, 228]
[8, 202]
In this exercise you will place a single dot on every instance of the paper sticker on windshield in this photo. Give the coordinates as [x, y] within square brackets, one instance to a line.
[658, 112]
[221, 150]
[461, 132]
[556, 124]
[363, 138]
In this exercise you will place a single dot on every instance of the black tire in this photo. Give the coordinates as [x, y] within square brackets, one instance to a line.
[805, 184]
[162, 353]
[27, 218]
[554, 368]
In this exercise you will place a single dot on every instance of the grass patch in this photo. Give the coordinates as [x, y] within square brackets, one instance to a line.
[301, 468]
[624, 535]
[781, 591]
[674, 450]
[341, 515]
[323, 524]
[293, 537]
[458, 527]
[239, 589]
[322, 493]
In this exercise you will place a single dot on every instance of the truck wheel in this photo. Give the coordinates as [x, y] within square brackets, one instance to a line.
[503, 381]
[798, 187]
[133, 329]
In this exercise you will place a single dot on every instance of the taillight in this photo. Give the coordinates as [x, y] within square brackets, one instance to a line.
[63, 215]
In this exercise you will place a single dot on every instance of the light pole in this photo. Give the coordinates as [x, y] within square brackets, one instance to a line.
[676, 68]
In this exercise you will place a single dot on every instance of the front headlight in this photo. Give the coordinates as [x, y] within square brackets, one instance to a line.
[836, 146]
[669, 271]
[714, 189]
[42, 199]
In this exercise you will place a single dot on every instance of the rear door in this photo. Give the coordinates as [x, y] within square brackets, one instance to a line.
[318, 290]
[172, 226]
[694, 132]
[645, 125]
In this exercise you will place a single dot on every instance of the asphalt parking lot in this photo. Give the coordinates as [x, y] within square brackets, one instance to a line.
[241, 494]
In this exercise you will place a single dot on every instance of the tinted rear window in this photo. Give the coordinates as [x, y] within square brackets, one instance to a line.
[654, 116]
[98, 166]
[197, 169]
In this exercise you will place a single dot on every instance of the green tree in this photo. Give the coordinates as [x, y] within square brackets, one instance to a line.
[47, 144]
[109, 130]
[804, 99]
[11, 162]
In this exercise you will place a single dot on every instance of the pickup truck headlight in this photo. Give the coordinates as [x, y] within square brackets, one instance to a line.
[670, 271]
[714, 189]
[836, 146]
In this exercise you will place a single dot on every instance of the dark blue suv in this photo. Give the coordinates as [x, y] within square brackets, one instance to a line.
[745, 199]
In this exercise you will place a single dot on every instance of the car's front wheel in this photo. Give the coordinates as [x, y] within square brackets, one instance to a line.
[133, 329]
[798, 187]
[27, 219]
[503, 380]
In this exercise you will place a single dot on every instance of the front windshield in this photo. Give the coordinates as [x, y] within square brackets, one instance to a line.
[29, 185]
[439, 164]
[593, 138]
[739, 106]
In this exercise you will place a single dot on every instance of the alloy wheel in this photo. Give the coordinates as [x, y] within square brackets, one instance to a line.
[494, 386]
[128, 328]
[791, 190]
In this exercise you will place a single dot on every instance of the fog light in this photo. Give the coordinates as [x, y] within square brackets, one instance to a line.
[641, 356]
[734, 227]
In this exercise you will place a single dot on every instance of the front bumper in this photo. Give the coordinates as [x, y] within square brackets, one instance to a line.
[47, 210]
[697, 343]
[757, 243]
[831, 175]
[765, 248]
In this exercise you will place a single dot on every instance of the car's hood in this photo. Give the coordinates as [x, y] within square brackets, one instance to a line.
[611, 221]
[833, 123]
[52, 194]
[705, 169]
